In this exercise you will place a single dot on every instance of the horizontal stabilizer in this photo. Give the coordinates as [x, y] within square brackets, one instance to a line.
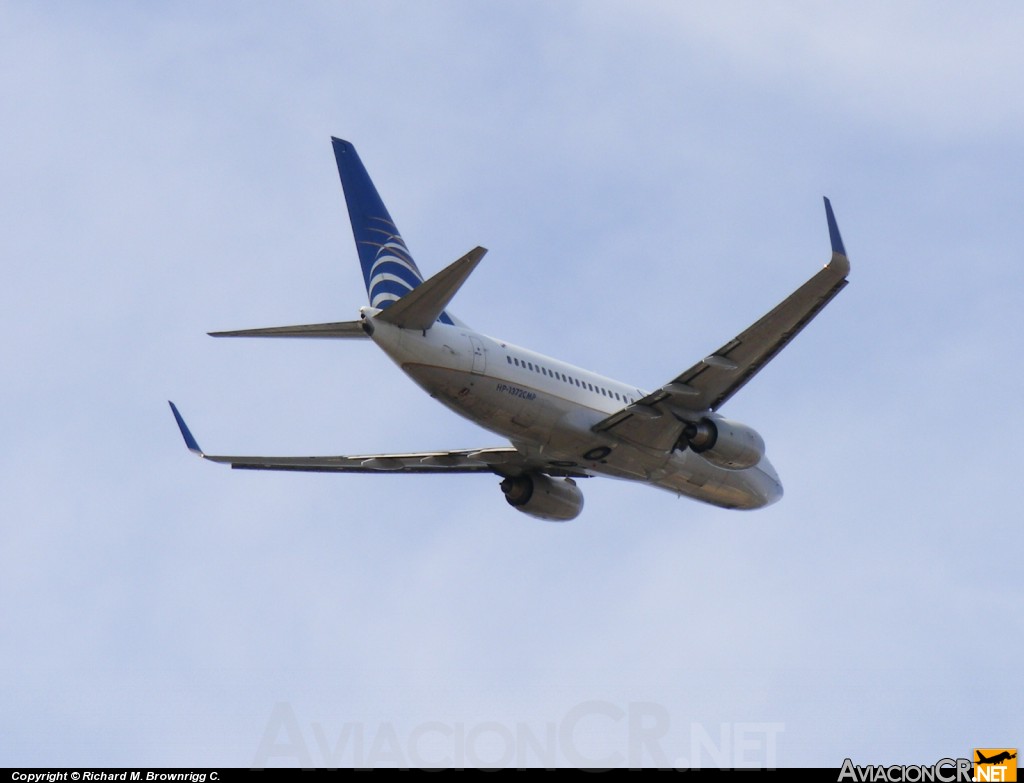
[341, 329]
[422, 306]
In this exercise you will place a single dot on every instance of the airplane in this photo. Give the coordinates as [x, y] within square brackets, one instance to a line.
[996, 759]
[563, 423]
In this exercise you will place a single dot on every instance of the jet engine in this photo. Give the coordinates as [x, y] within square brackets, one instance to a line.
[540, 496]
[727, 444]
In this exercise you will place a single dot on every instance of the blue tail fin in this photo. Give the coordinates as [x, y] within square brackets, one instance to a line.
[388, 268]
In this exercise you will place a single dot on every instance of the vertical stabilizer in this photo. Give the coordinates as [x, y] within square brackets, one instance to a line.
[388, 268]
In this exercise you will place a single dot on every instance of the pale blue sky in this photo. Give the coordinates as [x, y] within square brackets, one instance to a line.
[648, 179]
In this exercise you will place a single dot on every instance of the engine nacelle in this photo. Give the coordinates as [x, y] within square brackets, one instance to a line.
[540, 496]
[727, 444]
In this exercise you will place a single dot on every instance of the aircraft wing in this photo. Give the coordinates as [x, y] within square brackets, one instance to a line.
[708, 384]
[500, 460]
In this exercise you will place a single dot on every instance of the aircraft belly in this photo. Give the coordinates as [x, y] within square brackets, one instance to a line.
[519, 413]
[560, 430]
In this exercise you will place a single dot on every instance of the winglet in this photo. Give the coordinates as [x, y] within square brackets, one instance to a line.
[190, 441]
[839, 260]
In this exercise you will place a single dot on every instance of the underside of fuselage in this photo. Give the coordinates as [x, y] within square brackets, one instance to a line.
[460, 370]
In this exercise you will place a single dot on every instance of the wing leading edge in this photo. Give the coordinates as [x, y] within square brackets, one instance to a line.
[708, 384]
[500, 460]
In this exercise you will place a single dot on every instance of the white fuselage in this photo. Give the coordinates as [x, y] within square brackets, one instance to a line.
[548, 408]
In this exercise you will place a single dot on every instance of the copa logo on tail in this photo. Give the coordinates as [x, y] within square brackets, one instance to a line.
[393, 273]
[998, 764]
